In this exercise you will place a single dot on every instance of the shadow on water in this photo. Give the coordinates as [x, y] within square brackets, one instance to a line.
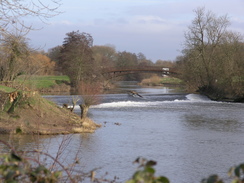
[200, 122]
[24, 142]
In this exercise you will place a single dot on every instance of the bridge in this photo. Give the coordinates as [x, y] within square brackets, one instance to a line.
[116, 72]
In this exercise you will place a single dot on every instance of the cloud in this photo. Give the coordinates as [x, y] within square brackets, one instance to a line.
[149, 19]
[153, 27]
[65, 22]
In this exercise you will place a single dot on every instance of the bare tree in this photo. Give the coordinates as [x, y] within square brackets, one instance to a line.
[90, 96]
[127, 59]
[14, 49]
[212, 55]
[14, 52]
[104, 56]
[204, 37]
[14, 12]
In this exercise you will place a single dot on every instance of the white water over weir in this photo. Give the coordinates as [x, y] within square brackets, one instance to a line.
[147, 103]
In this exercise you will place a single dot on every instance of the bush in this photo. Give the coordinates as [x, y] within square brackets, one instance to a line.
[15, 167]
[145, 173]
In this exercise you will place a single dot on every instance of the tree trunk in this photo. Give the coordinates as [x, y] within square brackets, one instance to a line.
[84, 110]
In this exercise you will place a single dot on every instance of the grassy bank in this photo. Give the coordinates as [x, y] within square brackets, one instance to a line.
[38, 83]
[42, 82]
[157, 81]
[171, 80]
[6, 89]
[26, 112]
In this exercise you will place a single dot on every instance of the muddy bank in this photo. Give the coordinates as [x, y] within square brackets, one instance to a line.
[29, 113]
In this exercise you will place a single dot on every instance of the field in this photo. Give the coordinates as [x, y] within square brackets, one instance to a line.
[36, 82]
[39, 82]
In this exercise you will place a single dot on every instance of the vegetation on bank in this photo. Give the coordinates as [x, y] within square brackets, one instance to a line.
[159, 81]
[6, 89]
[212, 61]
[26, 112]
[41, 83]
[38, 82]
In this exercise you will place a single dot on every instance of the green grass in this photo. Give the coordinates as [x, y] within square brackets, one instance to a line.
[39, 82]
[6, 89]
[171, 80]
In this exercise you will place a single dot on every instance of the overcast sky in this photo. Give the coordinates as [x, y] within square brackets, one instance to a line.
[152, 27]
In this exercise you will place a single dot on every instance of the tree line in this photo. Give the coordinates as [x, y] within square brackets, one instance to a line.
[212, 60]
[77, 57]
[18, 59]
[16, 56]
[83, 62]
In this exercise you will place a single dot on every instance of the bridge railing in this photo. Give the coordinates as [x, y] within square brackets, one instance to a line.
[165, 70]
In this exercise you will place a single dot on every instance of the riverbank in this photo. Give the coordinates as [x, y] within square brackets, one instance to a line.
[161, 81]
[210, 93]
[42, 84]
[218, 96]
[26, 112]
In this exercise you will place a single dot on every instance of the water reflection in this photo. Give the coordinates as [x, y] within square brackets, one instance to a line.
[24, 142]
[200, 122]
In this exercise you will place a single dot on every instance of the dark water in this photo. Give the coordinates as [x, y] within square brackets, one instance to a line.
[188, 135]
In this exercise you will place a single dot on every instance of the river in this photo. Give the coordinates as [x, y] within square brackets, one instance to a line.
[190, 136]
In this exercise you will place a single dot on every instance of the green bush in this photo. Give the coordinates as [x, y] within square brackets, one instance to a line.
[145, 173]
[14, 169]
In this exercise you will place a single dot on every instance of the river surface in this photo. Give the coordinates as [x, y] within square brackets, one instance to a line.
[190, 136]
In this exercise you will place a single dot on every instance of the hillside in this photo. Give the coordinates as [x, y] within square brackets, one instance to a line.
[27, 112]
